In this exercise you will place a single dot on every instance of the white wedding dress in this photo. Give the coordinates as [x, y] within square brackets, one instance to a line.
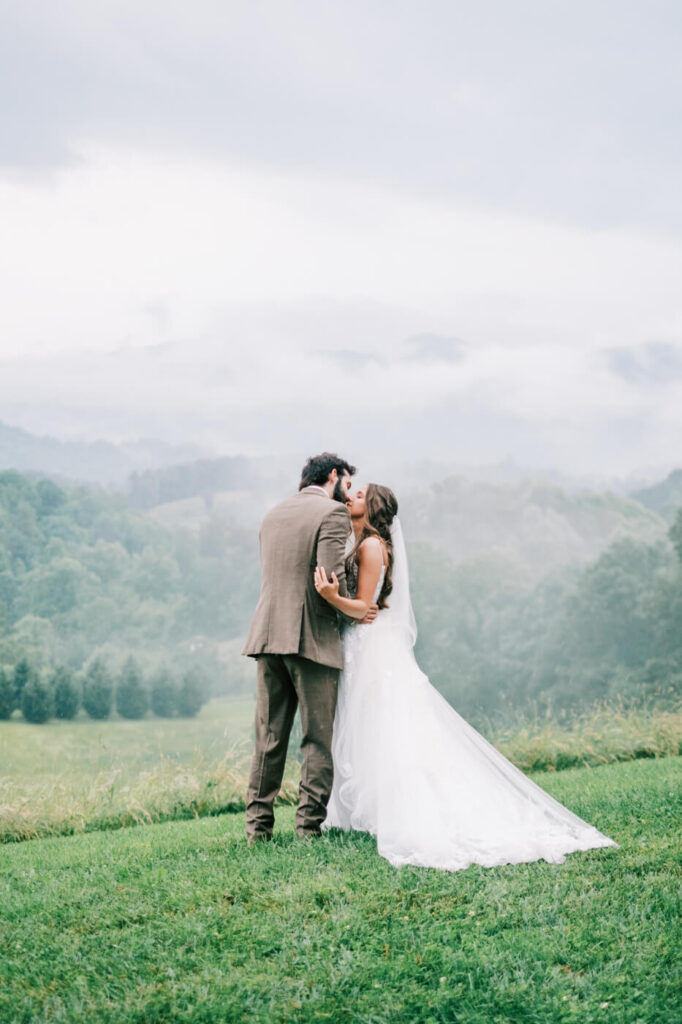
[409, 769]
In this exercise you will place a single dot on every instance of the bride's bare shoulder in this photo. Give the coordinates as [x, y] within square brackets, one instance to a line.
[371, 550]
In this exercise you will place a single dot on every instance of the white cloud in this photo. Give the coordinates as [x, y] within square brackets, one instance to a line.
[527, 107]
[252, 185]
[84, 258]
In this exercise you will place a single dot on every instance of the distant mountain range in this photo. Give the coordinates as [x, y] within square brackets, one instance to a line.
[539, 518]
[535, 523]
[101, 462]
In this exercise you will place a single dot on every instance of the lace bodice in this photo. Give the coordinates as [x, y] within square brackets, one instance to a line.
[352, 580]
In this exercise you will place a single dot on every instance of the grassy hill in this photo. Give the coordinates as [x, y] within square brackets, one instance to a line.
[67, 777]
[534, 524]
[182, 922]
[537, 525]
[509, 615]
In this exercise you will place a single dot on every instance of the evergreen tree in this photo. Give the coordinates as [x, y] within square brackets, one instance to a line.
[164, 693]
[67, 698]
[36, 700]
[132, 699]
[192, 693]
[98, 690]
[22, 674]
[7, 701]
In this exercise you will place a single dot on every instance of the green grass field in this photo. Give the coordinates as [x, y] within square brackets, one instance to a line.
[85, 746]
[67, 777]
[182, 922]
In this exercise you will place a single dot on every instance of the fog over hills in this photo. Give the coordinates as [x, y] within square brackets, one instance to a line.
[444, 242]
[533, 523]
[153, 472]
[94, 461]
[664, 497]
[365, 379]
[453, 239]
[537, 518]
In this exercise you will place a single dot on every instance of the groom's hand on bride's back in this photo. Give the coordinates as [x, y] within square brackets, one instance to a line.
[371, 614]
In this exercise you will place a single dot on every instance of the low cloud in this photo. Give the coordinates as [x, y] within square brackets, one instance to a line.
[261, 386]
[345, 226]
[651, 363]
[531, 109]
[434, 348]
[348, 359]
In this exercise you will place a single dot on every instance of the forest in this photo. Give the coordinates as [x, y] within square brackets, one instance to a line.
[512, 621]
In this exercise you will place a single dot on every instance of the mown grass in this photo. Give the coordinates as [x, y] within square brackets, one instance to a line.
[182, 922]
[69, 777]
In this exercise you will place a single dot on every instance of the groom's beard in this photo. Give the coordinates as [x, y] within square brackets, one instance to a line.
[340, 493]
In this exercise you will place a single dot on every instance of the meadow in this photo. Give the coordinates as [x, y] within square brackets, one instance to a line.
[66, 777]
[63, 778]
[183, 922]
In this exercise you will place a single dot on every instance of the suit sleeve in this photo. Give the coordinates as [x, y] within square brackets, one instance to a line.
[331, 545]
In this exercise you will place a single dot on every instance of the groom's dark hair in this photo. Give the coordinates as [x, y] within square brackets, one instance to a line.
[318, 468]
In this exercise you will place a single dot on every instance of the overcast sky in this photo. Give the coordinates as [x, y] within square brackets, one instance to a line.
[285, 193]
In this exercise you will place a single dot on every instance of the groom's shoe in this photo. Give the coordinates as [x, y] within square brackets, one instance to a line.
[308, 833]
[257, 838]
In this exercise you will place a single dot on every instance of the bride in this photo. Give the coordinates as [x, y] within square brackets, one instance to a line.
[407, 768]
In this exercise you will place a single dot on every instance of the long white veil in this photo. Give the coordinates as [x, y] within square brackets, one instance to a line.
[399, 602]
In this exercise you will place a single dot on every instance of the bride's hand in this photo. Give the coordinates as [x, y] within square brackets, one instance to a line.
[326, 588]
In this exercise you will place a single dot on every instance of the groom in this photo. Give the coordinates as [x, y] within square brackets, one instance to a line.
[295, 638]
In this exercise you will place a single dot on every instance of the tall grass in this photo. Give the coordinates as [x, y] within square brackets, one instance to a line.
[601, 736]
[167, 792]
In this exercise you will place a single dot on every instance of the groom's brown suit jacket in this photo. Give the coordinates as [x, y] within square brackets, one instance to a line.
[291, 618]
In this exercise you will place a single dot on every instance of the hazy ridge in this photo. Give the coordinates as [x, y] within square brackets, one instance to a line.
[527, 593]
[102, 462]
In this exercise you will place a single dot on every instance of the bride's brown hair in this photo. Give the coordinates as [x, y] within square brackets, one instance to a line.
[381, 508]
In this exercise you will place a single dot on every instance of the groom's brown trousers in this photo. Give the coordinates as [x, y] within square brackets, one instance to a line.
[286, 681]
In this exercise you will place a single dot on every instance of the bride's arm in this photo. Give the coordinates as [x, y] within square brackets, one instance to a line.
[370, 560]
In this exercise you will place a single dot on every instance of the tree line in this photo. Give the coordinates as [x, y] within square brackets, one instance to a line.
[202, 477]
[496, 642]
[80, 571]
[61, 693]
[82, 575]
